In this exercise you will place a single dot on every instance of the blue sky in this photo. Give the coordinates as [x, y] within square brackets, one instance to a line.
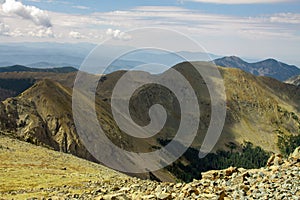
[253, 29]
[105, 6]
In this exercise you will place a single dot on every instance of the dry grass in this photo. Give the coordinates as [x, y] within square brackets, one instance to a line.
[27, 170]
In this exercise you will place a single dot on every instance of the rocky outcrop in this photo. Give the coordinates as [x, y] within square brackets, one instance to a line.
[294, 80]
[35, 117]
[272, 182]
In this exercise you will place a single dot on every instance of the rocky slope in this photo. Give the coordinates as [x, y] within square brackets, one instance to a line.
[294, 80]
[42, 115]
[270, 67]
[31, 172]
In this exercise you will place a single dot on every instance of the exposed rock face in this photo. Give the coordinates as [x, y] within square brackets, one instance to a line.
[294, 80]
[42, 116]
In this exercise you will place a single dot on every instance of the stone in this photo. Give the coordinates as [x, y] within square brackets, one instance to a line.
[148, 197]
[278, 160]
[296, 154]
[178, 185]
[164, 196]
[230, 171]
[270, 161]
[114, 196]
[222, 195]
[211, 175]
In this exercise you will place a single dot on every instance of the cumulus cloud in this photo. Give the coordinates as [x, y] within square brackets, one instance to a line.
[4, 29]
[36, 15]
[117, 34]
[76, 35]
[42, 33]
[238, 1]
[17, 33]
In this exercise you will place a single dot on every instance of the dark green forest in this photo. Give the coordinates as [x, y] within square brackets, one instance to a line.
[288, 143]
[248, 157]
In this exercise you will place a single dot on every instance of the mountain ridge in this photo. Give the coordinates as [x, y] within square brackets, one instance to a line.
[22, 68]
[268, 67]
[259, 109]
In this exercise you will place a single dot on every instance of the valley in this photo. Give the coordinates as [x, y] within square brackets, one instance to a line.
[261, 111]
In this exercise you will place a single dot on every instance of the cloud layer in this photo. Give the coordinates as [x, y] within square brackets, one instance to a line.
[36, 15]
[117, 34]
[4, 29]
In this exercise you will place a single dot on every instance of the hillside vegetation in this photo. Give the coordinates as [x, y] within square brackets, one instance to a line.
[260, 111]
[31, 172]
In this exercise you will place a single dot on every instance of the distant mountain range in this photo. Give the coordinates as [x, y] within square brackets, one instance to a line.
[20, 68]
[270, 67]
[54, 55]
[57, 53]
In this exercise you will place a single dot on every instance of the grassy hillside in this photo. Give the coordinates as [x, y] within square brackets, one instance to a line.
[31, 171]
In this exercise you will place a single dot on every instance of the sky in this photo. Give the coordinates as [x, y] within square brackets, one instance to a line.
[254, 29]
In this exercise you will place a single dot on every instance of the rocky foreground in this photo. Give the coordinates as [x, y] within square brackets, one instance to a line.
[31, 172]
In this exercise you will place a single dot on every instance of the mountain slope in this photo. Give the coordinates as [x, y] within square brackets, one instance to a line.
[256, 106]
[42, 115]
[28, 171]
[259, 110]
[294, 80]
[270, 67]
[31, 172]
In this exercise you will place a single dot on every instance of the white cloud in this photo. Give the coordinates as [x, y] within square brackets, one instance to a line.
[289, 18]
[36, 15]
[17, 33]
[117, 34]
[4, 29]
[42, 33]
[81, 7]
[76, 35]
[238, 1]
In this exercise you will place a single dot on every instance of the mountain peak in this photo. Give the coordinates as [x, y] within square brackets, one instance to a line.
[270, 60]
[233, 58]
[269, 67]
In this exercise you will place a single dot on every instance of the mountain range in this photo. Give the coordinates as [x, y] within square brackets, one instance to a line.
[20, 68]
[54, 55]
[260, 110]
[270, 67]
